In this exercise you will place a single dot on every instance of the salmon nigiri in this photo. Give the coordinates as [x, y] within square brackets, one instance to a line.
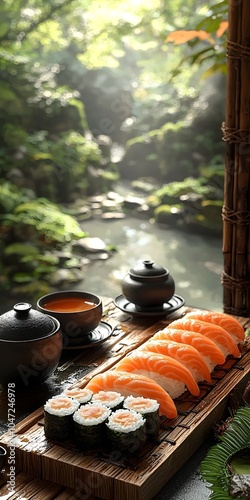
[166, 371]
[211, 354]
[186, 354]
[132, 384]
[229, 323]
[213, 332]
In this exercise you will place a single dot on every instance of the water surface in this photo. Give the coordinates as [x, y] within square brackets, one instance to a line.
[194, 261]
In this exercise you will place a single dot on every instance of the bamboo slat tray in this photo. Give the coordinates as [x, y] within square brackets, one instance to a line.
[112, 477]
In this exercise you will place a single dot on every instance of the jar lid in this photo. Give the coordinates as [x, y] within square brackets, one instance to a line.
[148, 268]
[25, 323]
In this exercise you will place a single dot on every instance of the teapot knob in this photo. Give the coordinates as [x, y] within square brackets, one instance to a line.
[148, 263]
[22, 308]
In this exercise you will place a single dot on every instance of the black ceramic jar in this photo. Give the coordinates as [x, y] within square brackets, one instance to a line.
[148, 285]
[30, 345]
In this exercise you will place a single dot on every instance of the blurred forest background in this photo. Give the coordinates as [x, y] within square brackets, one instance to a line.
[95, 92]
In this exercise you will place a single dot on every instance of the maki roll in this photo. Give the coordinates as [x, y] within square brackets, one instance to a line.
[149, 409]
[114, 400]
[81, 395]
[126, 430]
[89, 425]
[58, 413]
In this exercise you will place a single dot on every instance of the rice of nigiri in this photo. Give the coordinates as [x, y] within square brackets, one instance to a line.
[210, 352]
[213, 332]
[166, 371]
[229, 323]
[186, 354]
[132, 384]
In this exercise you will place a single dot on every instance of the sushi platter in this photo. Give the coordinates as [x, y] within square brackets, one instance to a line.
[108, 474]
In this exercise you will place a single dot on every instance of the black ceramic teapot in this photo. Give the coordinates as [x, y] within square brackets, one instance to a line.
[148, 285]
[30, 345]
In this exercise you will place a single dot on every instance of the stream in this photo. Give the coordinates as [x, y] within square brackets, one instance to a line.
[194, 261]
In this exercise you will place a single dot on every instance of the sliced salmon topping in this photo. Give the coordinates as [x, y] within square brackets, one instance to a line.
[140, 404]
[59, 403]
[124, 419]
[91, 412]
[106, 396]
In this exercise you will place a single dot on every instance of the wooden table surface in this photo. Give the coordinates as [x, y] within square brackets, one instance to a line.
[74, 365]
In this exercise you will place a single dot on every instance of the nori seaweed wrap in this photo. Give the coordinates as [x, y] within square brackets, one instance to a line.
[89, 425]
[126, 430]
[58, 417]
[149, 409]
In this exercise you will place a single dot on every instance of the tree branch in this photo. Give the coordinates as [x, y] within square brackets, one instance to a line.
[12, 36]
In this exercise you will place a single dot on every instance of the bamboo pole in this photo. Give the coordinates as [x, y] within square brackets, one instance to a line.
[232, 95]
[236, 215]
[244, 164]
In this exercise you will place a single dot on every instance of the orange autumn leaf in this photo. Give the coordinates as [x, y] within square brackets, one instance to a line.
[183, 36]
[222, 28]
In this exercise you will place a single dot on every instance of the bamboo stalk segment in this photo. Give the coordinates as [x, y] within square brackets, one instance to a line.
[236, 134]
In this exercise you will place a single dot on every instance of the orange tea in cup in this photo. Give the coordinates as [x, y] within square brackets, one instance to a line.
[69, 304]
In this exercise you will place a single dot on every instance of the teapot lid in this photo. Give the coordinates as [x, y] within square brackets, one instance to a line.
[25, 323]
[148, 268]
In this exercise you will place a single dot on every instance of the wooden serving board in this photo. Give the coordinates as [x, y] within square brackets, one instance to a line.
[103, 473]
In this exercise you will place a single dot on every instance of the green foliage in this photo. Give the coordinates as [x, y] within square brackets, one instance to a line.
[192, 203]
[166, 213]
[10, 197]
[69, 67]
[31, 230]
[157, 133]
[209, 215]
[62, 44]
[210, 51]
[63, 163]
[215, 468]
[46, 120]
[49, 222]
[171, 192]
[25, 250]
